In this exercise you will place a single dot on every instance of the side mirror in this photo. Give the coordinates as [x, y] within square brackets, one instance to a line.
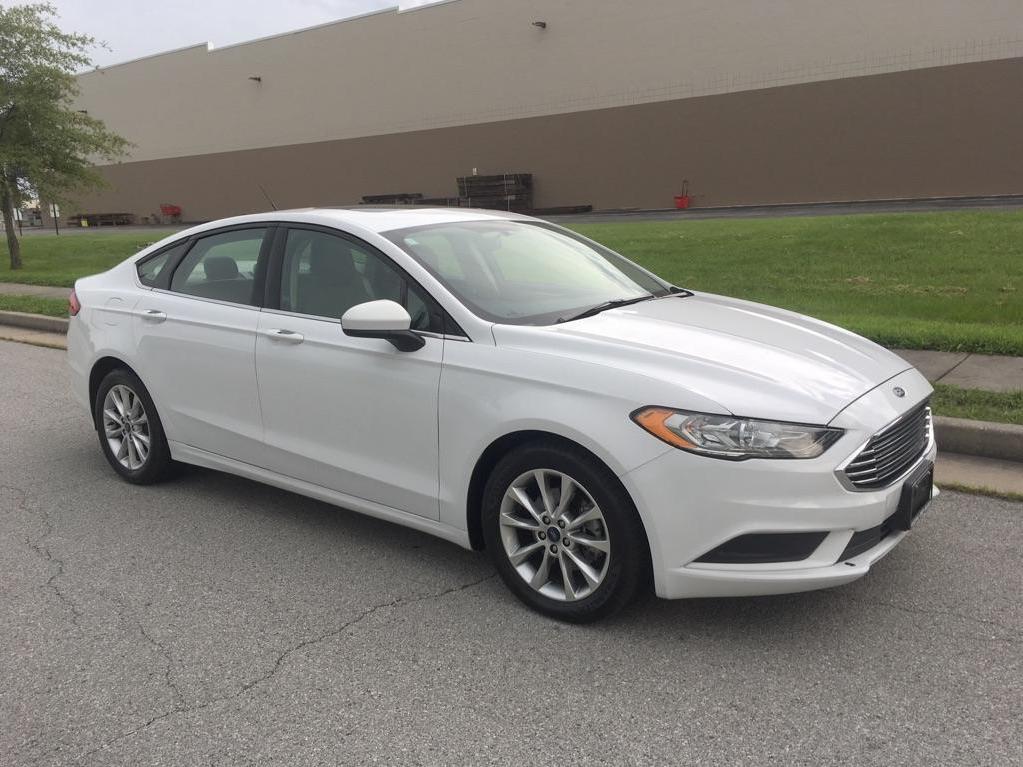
[382, 319]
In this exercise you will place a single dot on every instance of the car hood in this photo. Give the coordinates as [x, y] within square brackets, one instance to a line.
[753, 360]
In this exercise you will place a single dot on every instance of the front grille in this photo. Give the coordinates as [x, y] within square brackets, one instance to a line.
[892, 451]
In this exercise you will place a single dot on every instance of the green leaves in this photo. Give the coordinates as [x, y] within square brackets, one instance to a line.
[29, 38]
[47, 147]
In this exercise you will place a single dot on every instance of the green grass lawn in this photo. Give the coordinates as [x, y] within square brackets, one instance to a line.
[53, 260]
[1004, 407]
[950, 281]
[51, 307]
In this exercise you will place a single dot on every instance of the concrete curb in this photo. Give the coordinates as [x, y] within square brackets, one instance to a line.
[34, 322]
[985, 439]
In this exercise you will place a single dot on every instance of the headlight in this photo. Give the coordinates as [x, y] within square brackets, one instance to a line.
[733, 438]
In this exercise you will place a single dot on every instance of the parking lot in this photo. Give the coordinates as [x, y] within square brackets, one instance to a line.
[215, 621]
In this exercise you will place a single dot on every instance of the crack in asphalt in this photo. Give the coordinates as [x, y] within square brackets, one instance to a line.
[280, 661]
[168, 680]
[362, 616]
[41, 549]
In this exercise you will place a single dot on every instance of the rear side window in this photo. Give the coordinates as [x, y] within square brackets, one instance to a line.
[223, 267]
[152, 270]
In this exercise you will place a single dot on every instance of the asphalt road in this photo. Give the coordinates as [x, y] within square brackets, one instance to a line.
[213, 621]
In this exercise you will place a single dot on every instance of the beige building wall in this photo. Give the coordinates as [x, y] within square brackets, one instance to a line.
[754, 101]
[465, 62]
[932, 132]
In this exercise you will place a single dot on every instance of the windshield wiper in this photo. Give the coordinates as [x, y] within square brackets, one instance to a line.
[593, 310]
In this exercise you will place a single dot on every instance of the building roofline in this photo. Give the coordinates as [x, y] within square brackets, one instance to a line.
[395, 9]
[172, 51]
[287, 33]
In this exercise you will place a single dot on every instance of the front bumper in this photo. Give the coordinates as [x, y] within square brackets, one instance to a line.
[691, 504]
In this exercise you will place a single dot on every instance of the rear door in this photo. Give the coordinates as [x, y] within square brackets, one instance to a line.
[196, 336]
[351, 414]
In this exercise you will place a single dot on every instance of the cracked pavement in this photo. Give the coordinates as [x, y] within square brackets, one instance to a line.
[214, 621]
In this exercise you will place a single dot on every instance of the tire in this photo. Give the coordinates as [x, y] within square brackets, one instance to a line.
[612, 544]
[123, 404]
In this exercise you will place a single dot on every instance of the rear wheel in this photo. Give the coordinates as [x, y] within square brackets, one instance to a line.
[563, 533]
[129, 428]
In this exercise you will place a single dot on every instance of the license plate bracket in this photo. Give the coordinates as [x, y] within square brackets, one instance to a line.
[916, 494]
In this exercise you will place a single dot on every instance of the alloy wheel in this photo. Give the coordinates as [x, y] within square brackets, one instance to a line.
[126, 427]
[555, 535]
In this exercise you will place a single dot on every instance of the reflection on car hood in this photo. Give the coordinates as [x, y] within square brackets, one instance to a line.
[753, 360]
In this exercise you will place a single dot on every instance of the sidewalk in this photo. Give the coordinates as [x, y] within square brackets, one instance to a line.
[967, 371]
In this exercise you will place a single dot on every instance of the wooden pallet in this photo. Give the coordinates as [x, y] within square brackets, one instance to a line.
[509, 191]
[402, 198]
[443, 202]
[102, 219]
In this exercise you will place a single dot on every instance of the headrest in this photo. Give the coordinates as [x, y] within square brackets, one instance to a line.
[221, 268]
[329, 257]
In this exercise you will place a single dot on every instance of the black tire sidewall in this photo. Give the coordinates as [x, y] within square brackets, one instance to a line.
[630, 555]
[158, 462]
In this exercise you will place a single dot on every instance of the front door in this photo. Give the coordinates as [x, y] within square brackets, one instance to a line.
[351, 414]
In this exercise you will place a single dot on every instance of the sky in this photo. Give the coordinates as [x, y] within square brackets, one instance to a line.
[135, 28]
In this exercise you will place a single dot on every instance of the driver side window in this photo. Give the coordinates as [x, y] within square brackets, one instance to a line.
[324, 276]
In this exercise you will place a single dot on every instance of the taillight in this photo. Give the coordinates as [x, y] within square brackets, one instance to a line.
[73, 307]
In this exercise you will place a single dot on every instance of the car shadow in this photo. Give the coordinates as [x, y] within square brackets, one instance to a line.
[772, 620]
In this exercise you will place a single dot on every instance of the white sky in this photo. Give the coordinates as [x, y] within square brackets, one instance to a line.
[134, 28]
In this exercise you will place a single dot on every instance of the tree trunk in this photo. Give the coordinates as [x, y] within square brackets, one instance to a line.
[7, 204]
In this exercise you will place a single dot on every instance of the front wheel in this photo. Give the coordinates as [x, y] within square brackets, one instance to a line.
[129, 428]
[563, 533]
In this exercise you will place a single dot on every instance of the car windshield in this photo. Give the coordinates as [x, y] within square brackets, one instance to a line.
[525, 273]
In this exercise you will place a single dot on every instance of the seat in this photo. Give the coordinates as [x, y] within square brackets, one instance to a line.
[333, 284]
[224, 282]
[383, 282]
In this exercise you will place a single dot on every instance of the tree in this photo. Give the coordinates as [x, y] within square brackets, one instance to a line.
[47, 147]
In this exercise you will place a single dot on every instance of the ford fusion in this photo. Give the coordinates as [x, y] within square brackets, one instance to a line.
[508, 385]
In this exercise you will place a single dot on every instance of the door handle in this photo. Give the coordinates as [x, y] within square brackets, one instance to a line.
[284, 336]
[154, 315]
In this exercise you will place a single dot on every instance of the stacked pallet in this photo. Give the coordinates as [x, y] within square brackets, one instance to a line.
[101, 219]
[509, 191]
[443, 202]
[402, 198]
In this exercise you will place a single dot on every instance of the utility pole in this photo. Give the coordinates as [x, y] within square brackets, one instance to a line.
[55, 212]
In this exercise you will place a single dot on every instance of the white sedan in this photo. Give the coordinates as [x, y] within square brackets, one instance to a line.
[506, 384]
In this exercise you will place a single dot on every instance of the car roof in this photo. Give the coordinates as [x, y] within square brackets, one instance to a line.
[374, 219]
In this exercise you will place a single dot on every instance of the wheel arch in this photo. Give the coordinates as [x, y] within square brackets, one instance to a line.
[100, 369]
[499, 448]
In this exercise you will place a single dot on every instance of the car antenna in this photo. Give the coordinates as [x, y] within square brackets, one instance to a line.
[269, 199]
